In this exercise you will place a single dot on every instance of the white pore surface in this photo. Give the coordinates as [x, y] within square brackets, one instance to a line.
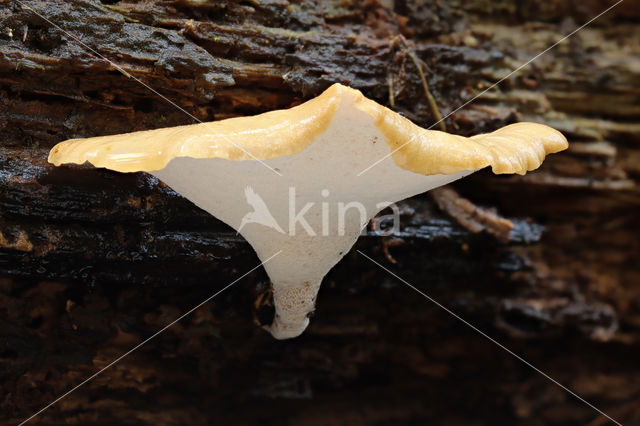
[331, 163]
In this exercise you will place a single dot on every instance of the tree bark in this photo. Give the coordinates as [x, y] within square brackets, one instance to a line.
[92, 262]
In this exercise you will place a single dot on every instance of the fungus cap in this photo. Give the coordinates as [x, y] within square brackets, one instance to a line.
[314, 211]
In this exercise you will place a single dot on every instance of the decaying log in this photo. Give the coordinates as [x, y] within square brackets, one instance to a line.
[92, 262]
[470, 216]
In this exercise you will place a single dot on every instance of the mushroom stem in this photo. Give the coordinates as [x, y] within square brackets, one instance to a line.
[293, 305]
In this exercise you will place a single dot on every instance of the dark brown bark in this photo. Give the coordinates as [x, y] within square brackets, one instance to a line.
[92, 261]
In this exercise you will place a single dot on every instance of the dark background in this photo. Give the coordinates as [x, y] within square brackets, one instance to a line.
[92, 262]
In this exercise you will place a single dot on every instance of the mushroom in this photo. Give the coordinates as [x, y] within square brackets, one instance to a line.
[316, 204]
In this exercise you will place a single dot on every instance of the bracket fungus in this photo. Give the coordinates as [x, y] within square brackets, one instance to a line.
[315, 205]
